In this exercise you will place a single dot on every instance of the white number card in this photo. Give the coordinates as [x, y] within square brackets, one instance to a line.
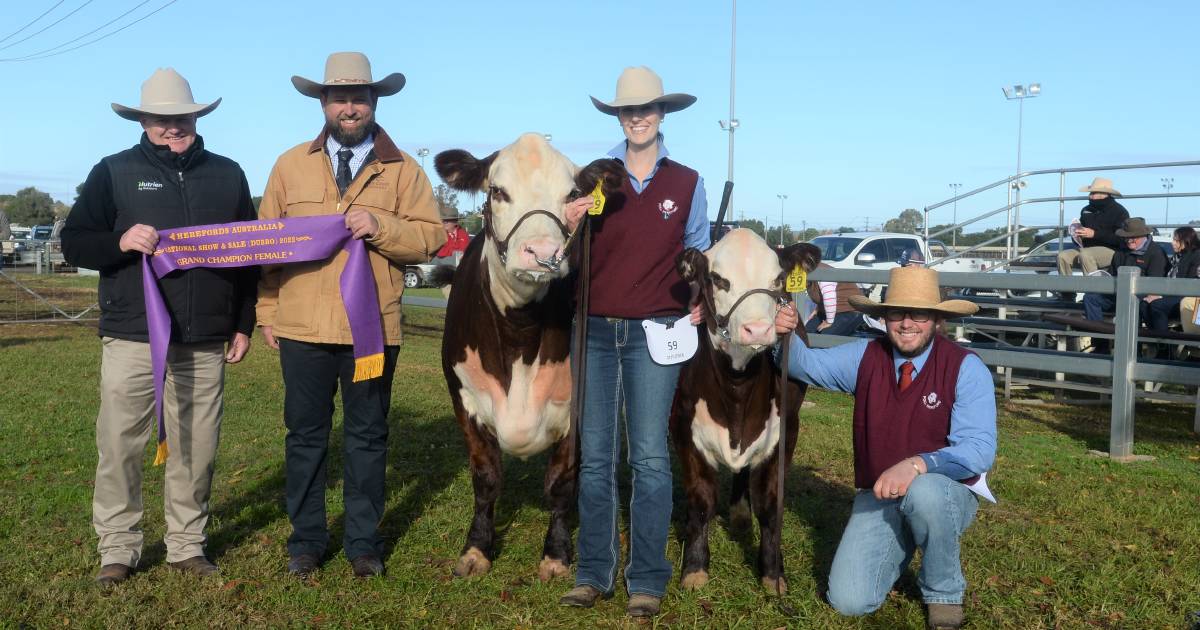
[672, 343]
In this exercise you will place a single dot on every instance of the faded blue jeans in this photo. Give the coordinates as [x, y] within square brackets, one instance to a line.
[882, 535]
[621, 377]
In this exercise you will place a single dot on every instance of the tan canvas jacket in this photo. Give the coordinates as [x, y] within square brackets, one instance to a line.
[302, 301]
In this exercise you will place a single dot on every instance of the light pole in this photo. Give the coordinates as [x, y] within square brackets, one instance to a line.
[954, 231]
[1018, 93]
[421, 153]
[731, 124]
[782, 199]
[1168, 183]
[548, 137]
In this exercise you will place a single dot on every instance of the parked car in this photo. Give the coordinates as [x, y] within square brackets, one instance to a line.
[421, 275]
[882, 250]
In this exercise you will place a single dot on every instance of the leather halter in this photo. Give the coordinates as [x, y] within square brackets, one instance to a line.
[502, 243]
[722, 321]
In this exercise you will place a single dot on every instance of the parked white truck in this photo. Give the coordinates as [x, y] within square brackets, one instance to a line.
[883, 250]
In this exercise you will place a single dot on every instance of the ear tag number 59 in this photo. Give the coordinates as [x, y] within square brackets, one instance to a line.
[796, 280]
[597, 200]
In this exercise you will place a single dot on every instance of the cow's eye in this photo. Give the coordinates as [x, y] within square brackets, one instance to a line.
[574, 194]
[497, 193]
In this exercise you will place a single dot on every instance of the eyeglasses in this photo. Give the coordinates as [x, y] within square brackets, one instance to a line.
[919, 317]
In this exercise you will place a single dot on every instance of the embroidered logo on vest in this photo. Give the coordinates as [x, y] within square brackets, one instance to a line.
[931, 400]
[143, 185]
[667, 207]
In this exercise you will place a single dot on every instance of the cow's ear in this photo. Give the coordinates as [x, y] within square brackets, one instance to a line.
[805, 255]
[692, 265]
[461, 170]
[606, 170]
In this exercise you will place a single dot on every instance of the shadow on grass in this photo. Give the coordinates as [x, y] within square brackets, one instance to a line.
[12, 342]
[1091, 425]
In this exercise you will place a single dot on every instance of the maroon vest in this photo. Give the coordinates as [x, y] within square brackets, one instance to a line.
[635, 243]
[889, 425]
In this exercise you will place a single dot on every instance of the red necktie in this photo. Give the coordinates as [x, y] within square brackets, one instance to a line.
[906, 370]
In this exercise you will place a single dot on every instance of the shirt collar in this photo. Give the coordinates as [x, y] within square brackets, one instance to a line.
[618, 152]
[917, 361]
[333, 146]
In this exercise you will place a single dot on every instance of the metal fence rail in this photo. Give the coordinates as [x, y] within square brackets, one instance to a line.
[1122, 366]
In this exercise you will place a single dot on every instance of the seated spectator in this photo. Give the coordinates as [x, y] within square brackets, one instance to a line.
[1184, 264]
[833, 314]
[1139, 251]
[1097, 234]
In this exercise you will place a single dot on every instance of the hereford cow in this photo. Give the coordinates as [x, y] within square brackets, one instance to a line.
[505, 351]
[726, 409]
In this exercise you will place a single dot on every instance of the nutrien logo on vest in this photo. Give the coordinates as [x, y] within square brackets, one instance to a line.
[148, 186]
[667, 207]
[931, 400]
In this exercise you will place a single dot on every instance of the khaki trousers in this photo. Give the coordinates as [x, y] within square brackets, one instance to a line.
[1090, 259]
[192, 413]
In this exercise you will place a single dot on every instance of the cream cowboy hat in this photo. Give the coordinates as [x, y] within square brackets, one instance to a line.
[913, 288]
[349, 69]
[165, 93]
[640, 86]
[1101, 185]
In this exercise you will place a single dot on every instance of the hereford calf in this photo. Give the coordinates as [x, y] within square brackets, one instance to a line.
[505, 351]
[726, 410]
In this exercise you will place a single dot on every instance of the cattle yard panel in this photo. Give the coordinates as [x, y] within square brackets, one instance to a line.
[1122, 366]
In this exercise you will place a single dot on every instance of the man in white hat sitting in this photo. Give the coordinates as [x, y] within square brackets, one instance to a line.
[924, 433]
[1096, 231]
[168, 180]
[352, 168]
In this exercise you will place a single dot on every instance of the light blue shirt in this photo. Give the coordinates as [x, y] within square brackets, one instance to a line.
[695, 231]
[972, 438]
[360, 152]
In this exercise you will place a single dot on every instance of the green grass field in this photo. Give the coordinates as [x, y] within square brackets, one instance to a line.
[1076, 541]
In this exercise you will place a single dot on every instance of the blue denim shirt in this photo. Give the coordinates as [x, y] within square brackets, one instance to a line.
[972, 436]
[695, 231]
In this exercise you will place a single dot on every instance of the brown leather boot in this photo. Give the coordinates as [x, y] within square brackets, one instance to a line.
[643, 605]
[111, 575]
[582, 596]
[197, 565]
[945, 616]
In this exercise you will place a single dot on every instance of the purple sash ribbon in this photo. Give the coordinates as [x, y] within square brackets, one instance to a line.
[265, 242]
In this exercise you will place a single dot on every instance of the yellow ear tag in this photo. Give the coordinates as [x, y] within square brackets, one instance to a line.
[597, 201]
[796, 280]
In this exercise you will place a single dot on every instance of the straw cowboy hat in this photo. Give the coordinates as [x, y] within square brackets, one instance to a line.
[913, 288]
[640, 86]
[1101, 185]
[165, 93]
[1134, 227]
[349, 69]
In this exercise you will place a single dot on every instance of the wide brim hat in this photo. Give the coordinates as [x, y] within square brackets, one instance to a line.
[1133, 228]
[165, 93]
[641, 86]
[349, 69]
[1101, 185]
[913, 288]
[450, 214]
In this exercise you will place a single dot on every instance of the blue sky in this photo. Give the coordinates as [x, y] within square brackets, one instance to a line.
[855, 110]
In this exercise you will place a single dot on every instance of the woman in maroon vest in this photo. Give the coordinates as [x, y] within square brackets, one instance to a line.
[660, 211]
[924, 437]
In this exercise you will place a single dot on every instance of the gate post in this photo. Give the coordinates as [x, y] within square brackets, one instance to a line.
[1124, 359]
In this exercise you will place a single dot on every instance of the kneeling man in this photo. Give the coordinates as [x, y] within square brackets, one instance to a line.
[924, 433]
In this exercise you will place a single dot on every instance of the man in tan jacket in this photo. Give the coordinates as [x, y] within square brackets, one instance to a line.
[352, 168]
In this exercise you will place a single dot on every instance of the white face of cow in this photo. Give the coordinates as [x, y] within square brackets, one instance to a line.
[739, 262]
[527, 176]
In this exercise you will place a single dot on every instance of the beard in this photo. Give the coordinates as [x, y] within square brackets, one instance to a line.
[922, 343]
[350, 138]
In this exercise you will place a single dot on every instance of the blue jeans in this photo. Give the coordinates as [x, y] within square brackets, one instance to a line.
[1096, 304]
[882, 535]
[622, 381]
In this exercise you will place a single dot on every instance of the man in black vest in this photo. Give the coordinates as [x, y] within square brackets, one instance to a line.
[167, 180]
[924, 437]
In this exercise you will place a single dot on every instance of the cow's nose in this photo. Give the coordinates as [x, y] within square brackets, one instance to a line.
[757, 332]
[544, 252]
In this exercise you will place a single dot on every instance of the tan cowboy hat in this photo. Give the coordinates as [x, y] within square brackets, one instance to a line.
[913, 288]
[349, 69]
[165, 93]
[1101, 185]
[1134, 227]
[640, 86]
